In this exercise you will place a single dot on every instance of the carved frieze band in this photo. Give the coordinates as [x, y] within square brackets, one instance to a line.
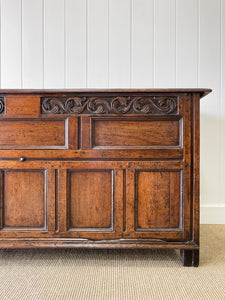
[109, 105]
[2, 105]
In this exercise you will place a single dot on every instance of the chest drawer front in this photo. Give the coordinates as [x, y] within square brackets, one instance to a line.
[27, 200]
[135, 133]
[35, 133]
[61, 199]
[24, 199]
[106, 126]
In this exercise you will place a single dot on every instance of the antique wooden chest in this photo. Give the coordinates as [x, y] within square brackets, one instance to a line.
[100, 168]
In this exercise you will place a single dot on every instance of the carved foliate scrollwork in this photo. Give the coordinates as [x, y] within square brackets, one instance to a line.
[75, 105]
[109, 105]
[121, 104]
[2, 105]
[150, 105]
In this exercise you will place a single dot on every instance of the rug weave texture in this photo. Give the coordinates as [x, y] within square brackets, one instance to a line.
[115, 274]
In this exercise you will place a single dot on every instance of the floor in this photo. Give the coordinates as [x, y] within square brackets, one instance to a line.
[115, 274]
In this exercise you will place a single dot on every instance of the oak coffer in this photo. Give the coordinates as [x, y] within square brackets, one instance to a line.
[100, 168]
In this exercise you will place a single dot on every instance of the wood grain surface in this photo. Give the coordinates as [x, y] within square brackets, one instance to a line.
[81, 172]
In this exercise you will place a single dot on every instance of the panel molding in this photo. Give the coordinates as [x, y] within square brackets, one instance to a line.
[24, 228]
[32, 140]
[179, 227]
[71, 228]
[150, 136]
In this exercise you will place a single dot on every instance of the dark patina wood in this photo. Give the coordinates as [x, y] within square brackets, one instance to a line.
[96, 168]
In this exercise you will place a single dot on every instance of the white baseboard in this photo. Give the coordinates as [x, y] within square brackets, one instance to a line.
[212, 214]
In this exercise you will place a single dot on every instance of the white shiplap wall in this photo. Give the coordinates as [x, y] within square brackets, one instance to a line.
[126, 43]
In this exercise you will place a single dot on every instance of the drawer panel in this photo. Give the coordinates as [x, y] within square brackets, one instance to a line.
[90, 199]
[24, 199]
[158, 199]
[98, 199]
[27, 201]
[93, 154]
[138, 133]
[22, 105]
[36, 134]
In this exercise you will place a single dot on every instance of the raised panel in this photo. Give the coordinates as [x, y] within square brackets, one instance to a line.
[37, 134]
[24, 202]
[158, 199]
[90, 199]
[135, 133]
[23, 105]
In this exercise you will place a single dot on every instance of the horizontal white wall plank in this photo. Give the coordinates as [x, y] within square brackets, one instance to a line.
[187, 43]
[222, 109]
[126, 43]
[54, 58]
[142, 44]
[32, 43]
[212, 215]
[97, 41]
[209, 76]
[119, 43]
[165, 39]
[11, 44]
[75, 43]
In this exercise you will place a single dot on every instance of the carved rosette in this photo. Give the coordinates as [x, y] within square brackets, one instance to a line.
[2, 105]
[108, 105]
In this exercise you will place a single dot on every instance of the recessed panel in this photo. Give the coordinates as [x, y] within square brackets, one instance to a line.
[158, 197]
[34, 134]
[135, 133]
[24, 199]
[90, 199]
